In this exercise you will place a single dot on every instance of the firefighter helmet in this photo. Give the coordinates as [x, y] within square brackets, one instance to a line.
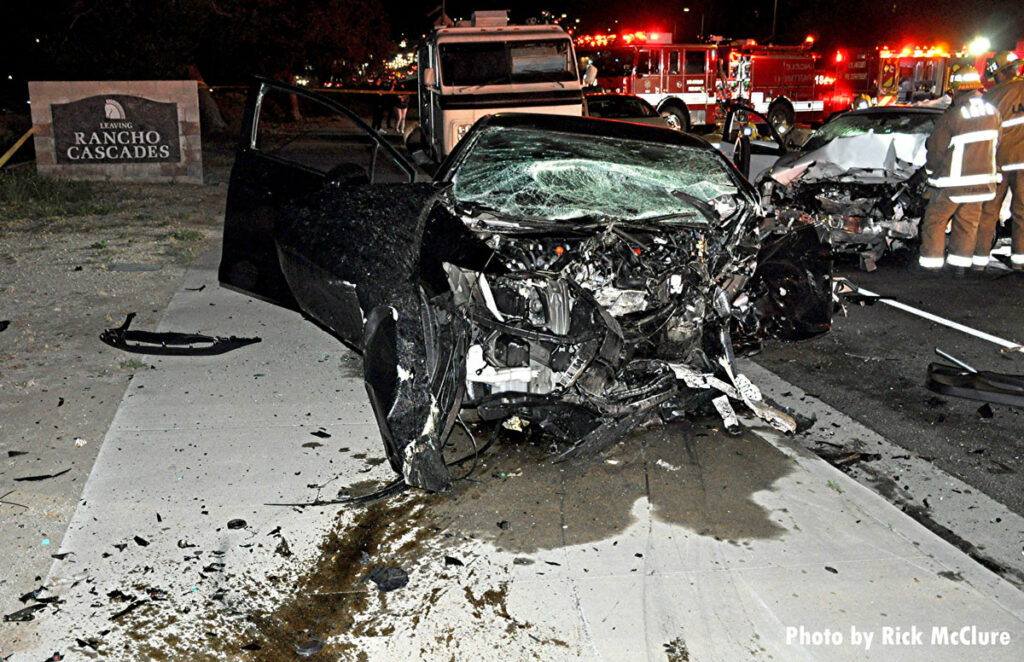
[964, 77]
[1002, 61]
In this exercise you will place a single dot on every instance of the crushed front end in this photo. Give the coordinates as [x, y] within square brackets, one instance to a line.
[867, 220]
[860, 177]
[612, 304]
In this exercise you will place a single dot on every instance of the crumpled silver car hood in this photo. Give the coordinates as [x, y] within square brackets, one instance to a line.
[867, 159]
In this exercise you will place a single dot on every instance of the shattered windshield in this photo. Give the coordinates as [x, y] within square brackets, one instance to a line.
[848, 126]
[558, 175]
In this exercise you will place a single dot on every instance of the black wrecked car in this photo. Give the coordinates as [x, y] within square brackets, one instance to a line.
[586, 276]
[861, 175]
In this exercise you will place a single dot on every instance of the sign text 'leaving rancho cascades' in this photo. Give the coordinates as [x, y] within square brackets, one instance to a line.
[116, 128]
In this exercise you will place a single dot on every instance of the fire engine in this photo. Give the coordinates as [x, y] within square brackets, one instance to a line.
[875, 74]
[691, 80]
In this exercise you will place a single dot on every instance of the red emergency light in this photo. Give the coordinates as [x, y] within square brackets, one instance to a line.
[840, 57]
[638, 37]
[914, 51]
[595, 39]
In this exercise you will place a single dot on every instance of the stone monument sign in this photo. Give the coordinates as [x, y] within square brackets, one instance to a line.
[118, 130]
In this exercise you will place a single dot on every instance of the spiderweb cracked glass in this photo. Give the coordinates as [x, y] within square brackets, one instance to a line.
[556, 175]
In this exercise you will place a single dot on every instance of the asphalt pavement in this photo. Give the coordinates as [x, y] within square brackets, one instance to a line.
[872, 367]
[681, 543]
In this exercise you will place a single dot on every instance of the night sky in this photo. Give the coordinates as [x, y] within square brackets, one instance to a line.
[833, 22]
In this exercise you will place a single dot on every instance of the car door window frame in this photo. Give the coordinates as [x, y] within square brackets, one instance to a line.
[266, 84]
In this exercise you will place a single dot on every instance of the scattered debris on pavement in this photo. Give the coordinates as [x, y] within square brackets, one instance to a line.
[309, 647]
[387, 578]
[23, 615]
[170, 343]
[963, 381]
[42, 477]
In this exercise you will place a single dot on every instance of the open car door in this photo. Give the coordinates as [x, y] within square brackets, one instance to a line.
[293, 143]
[750, 140]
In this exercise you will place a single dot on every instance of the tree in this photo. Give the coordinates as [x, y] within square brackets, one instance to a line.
[281, 37]
[227, 39]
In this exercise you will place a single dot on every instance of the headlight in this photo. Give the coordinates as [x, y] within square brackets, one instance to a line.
[672, 121]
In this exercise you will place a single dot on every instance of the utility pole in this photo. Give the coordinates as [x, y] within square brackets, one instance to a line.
[775, 10]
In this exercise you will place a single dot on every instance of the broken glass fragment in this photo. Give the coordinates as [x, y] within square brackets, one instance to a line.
[24, 615]
[387, 578]
[309, 647]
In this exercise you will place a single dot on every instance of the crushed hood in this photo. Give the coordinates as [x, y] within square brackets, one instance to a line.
[867, 159]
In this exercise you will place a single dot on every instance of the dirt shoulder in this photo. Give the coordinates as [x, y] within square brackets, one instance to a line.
[63, 280]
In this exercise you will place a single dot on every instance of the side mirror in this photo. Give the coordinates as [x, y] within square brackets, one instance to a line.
[429, 77]
[346, 174]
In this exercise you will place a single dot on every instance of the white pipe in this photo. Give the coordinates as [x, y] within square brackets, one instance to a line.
[485, 289]
[1010, 346]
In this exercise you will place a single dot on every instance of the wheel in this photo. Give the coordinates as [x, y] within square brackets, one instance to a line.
[781, 117]
[681, 115]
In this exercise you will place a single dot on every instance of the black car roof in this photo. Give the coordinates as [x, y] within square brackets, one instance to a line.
[594, 126]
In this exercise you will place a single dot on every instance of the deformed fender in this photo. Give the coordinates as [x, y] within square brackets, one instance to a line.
[413, 368]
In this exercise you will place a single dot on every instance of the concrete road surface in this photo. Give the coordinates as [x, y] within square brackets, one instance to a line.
[681, 543]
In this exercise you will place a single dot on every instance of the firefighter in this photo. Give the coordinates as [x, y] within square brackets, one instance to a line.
[961, 171]
[1008, 97]
[590, 75]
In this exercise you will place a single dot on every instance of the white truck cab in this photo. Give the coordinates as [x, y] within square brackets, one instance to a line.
[487, 66]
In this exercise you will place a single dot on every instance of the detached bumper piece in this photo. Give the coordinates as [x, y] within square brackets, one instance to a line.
[170, 343]
[984, 386]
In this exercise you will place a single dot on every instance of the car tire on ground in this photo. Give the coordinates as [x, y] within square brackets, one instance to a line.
[681, 114]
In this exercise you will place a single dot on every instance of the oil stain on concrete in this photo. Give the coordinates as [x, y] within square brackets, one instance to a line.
[692, 475]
